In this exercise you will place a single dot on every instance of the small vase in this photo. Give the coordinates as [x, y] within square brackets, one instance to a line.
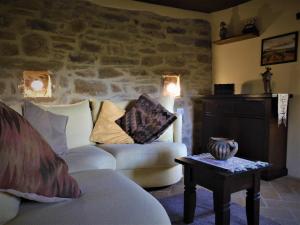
[222, 148]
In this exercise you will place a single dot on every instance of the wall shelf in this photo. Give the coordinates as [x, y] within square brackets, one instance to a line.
[236, 38]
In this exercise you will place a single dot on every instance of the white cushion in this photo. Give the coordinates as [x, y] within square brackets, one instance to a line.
[108, 198]
[9, 207]
[80, 124]
[89, 158]
[154, 155]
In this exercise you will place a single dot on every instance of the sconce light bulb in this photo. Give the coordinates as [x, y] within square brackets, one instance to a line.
[173, 89]
[37, 85]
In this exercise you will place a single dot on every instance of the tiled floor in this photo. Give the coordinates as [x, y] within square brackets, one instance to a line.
[280, 199]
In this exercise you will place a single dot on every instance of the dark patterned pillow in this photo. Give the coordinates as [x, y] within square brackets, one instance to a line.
[29, 168]
[146, 120]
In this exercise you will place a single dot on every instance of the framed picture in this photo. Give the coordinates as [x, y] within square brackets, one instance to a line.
[279, 49]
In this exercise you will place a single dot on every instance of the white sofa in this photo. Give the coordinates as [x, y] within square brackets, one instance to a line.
[108, 196]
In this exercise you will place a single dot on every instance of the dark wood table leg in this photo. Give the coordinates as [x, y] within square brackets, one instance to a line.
[253, 201]
[189, 196]
[222, 206]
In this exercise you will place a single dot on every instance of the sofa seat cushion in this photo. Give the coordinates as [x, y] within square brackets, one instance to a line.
[89, 157]
[108, 198]
[156, 154]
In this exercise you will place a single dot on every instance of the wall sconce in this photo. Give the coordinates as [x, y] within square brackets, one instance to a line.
[37, 84]
[171, 85]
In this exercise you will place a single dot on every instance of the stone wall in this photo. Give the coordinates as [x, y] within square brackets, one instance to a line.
[104, 53]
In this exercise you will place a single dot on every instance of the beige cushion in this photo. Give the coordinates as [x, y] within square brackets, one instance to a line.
[9, 207]
[80, 124]
[96, 106]
[106, 130]
[165, 101]
[154, 155]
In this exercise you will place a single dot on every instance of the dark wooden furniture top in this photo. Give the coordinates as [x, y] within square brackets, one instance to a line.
[222, 184]
[252, 121]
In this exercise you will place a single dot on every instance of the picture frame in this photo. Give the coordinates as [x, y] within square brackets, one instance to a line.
[279, 49]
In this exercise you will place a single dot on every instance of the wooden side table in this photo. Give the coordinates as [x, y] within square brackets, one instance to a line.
[222, 183]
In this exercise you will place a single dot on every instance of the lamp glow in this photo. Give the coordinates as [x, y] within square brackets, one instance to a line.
[173, 89]
[171, 85]
[37, 85]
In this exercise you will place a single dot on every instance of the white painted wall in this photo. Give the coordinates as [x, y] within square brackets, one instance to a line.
[239, 62]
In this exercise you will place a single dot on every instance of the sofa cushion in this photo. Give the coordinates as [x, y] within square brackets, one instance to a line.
[80, 124]
[106, 131]
[29, 168]
[9, 207]
[52, 127]
[108, 198]
[156, 154]
[146, 120]
[89, 157]
[165, 101]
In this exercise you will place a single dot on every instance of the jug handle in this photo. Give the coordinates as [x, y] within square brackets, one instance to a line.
[233, 147]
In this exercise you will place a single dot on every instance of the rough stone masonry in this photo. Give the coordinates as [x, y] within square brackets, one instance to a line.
[103, 53]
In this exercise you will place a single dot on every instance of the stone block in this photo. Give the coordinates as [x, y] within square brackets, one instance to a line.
[63, 46]
[116, 60]
[6, 35]
[35, 45]
[176, 30]
[5, 21]
[184, 40]
[24, 64]
[90, 47]
[115, 88]
[152, 60]
[175, 60]
[115, 17]
[109, 72]
[155, 34]
[203, 58]
[147, 51]
[167, 47]
[63, 39]
[148, 89]
[78, 57]
[86, 73]
[78, 26]
[151, 26]
[90, 87]
[38, 24]
[203, 43]
[8, 49]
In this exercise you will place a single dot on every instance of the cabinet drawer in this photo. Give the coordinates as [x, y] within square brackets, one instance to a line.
[255, 108]
[218, 107]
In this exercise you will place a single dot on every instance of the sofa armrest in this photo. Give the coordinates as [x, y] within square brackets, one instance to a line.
[177, 127]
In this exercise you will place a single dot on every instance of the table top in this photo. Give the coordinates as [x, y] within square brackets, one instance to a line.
[231, 166]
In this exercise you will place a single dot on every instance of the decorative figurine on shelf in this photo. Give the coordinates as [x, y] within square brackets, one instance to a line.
[223, 30]
[267, 75]
[250, 27]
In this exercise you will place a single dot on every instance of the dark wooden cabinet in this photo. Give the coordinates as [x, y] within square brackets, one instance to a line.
[251, 120]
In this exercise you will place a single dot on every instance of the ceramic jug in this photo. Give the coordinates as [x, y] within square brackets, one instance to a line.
[222, 148]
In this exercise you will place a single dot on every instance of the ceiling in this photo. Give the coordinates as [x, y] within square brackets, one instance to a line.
[206, 6]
